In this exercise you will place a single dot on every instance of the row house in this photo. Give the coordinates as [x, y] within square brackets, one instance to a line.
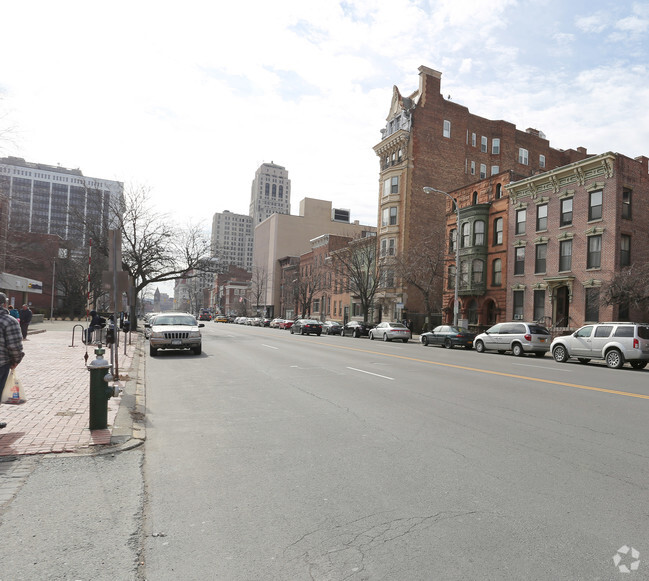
[230, 291]
[483, 242]
[430, 140]
[571, 230]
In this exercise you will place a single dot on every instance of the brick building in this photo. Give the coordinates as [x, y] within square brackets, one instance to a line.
[570, 231]
[429, 140]
[484, 209]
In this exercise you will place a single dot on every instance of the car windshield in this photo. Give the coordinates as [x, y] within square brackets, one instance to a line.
[175, 320]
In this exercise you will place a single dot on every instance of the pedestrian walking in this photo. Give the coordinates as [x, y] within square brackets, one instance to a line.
[11, 343]
[25, 320]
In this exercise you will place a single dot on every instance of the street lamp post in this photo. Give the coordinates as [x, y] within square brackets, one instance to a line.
[429, 190]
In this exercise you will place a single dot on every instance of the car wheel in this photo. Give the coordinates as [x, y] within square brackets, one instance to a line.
[385, 337]
[405, 340]
[614, 359]
[560, 354]
[357, 334]
[424, 341]
[371, 336]
[318, 334]
[583, 360]
[479, 346]
[517, 349]
[197, 350]
[638, 364]
[153, 351]
[448, 344]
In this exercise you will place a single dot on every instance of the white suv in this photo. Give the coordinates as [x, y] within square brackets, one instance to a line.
[616, 343]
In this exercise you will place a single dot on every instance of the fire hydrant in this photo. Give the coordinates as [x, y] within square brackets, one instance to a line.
[100, 391]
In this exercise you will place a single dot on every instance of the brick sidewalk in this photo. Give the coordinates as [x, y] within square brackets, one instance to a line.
[55, 416]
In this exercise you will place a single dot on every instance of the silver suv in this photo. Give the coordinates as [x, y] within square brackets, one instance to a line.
[519, 338]
[616, 343]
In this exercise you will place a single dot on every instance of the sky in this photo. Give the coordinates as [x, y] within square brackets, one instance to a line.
[189, 99]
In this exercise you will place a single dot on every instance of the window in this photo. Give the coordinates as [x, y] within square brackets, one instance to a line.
[625, 250]
[384, 247]
[447, 129]
[498, 231]
[519, 260]
[520, 221]
[392, 246]
[595, 206]
[478, 233]
[565, 255]
[451, 277]
[523, 156]
[483, 144]
[539, 305]
[394, 185]
[495, 146]
[495, 170]
[594, 258]
[566, 212]
[316, 305]
[473, 139]
[592, 304]
[466, 235]
[499, 191]
[603, 330]
[496, 272]
[541, 254]
[464, 274]
[626, 204]
[541, 217]
[542, 161]
[473, 168]
[386, 187]
[474, 198]
[452, 238]
[518, 304]
[483, 171]
[477, 271]
[389, 216]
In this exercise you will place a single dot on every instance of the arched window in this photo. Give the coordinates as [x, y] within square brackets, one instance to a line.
[478, 233]
[452, 239]
[474, 200]
[497, 271]
[466, 235]
[477, 271]
[498, 231]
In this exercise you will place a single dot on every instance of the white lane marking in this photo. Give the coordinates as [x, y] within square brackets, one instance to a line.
[370, 373]
[269, 346]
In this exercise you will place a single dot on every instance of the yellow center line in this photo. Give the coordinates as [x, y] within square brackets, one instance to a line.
[500, 373]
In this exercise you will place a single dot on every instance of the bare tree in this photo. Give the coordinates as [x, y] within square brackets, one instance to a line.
[258, 286]
[629, 287]
[309, 282]
[422, 267]
[359, 265]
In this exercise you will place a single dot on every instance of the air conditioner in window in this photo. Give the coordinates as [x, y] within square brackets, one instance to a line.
[518, 317]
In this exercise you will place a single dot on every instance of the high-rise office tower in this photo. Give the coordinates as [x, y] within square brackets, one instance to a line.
[271, 192]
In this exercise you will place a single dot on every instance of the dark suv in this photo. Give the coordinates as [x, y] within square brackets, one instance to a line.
[356, 329]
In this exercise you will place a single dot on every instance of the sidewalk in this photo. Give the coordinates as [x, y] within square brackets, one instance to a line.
[55, 416]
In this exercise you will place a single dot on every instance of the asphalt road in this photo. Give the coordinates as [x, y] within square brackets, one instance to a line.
[274, 456]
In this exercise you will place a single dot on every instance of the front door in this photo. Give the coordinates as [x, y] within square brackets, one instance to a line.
[562, 307]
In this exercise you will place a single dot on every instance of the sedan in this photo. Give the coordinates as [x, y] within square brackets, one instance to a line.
[274, 324]
[389, 331]
[331, 328]
[286, 324]
[306, 327]
[448, 336]
[356, 329]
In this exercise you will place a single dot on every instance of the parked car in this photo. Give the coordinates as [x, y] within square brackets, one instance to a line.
[286, 324]
[221, 319]
[448, 336]
[205, 316]
[175, 331]
[388, 331]
[264, 322]
[356, 329]
[615, 343]
[274, 324]
[517, 337]
[306, 327]
[331, 328]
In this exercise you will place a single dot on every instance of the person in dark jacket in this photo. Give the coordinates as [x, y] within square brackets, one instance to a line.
[25, 319]
[96, 322]
[11, 344]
